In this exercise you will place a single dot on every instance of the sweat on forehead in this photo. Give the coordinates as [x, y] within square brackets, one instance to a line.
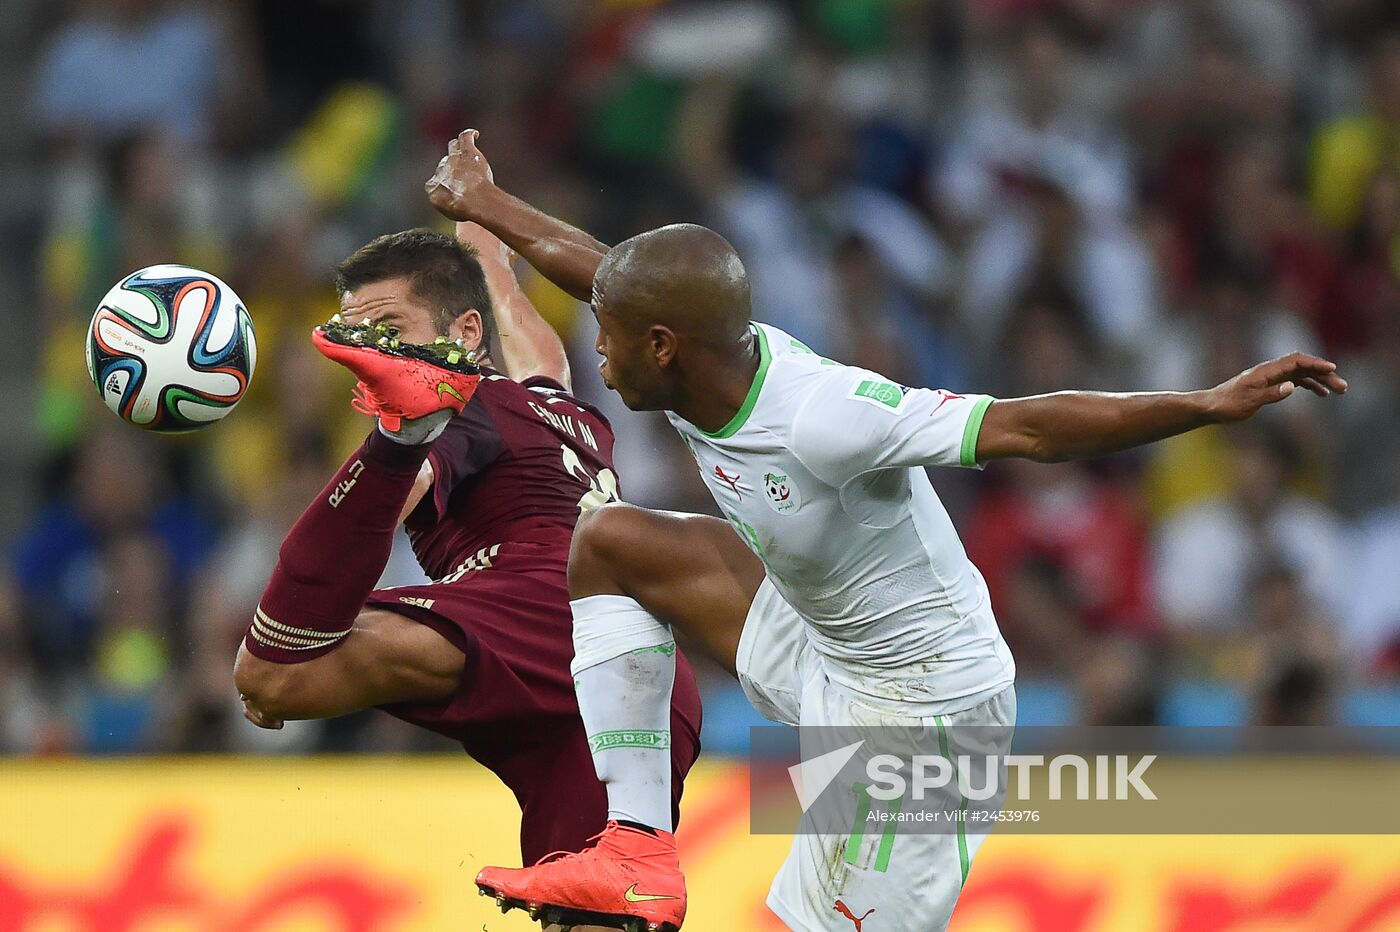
[683, 276]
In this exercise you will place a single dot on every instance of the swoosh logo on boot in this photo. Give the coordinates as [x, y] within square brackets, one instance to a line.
[632, 896]
[444, 389]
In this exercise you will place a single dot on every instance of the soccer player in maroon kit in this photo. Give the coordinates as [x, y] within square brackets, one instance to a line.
[489, 492]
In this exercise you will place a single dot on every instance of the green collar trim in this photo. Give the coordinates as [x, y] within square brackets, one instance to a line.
[742, 415]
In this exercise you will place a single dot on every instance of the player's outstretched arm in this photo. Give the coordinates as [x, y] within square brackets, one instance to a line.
[1070, 425]
[529, 346]
[462, 189]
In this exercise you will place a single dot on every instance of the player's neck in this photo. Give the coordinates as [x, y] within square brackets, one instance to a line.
[711, 406]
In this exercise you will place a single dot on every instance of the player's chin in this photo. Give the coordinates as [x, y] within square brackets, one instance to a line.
[634, 401]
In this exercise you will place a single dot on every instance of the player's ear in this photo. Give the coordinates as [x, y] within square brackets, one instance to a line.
[469, 327]
[663, 345]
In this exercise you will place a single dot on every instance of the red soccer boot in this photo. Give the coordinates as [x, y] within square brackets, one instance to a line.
[400, 381]
[631, 881]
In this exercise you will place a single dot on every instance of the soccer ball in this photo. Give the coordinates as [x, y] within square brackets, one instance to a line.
[171, 349]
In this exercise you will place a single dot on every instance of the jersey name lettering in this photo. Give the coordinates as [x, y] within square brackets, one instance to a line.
[565, 424]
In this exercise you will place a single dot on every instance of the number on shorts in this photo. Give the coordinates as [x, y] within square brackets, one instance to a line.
[602, 487]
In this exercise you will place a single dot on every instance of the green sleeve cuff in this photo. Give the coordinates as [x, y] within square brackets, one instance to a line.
[973, 428]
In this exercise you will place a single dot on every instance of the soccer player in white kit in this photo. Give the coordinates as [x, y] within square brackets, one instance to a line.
[844, 598]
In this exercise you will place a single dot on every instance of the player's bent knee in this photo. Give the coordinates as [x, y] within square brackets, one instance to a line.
[601, 537]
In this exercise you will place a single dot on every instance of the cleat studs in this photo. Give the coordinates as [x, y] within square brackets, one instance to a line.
[454, 357]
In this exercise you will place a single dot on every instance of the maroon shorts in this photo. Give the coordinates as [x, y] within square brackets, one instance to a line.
[514, 710]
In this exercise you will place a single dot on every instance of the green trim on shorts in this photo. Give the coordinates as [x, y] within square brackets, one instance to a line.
[882, 857]
[864, 804]
[668, 650]
[968, 454]
[858, 830]
[962, 804]
[633, 738]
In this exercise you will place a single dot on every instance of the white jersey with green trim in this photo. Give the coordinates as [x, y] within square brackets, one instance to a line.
[821, 472]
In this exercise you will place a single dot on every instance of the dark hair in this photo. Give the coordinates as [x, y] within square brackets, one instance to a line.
[442, 271]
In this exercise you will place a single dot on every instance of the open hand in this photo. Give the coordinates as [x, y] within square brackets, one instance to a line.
[461, 177]
[1273, 381]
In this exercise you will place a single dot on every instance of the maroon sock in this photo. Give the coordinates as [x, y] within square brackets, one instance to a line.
[334, 554]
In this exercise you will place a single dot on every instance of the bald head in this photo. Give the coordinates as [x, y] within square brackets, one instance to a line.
[684, 277]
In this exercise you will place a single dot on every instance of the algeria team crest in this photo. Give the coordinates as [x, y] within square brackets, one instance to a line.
[781, 493]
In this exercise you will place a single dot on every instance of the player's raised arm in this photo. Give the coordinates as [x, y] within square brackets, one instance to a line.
[854, 421]
[1069, 425]
[529, 345]
[462, 189]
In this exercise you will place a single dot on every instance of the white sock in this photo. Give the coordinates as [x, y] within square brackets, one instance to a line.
[425, 429]
[624, 667]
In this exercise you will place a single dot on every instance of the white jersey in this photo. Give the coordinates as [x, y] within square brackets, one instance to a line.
[821, 472]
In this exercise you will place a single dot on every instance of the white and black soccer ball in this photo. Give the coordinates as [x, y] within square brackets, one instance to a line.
[171, 349]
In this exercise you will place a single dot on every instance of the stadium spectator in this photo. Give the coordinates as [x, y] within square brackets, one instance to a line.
[24, 710]
[124, 697]
[1065, 529]
[1350, 152]
[1371, 629]
[1119, 680]
[115, 485]
[1272, 37]
[1208, 553]
[1293, 648]
[1368, 433]
[1045, 191]
[789, 227]
[174, 59]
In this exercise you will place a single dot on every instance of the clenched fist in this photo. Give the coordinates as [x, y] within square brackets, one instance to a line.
[462, 176]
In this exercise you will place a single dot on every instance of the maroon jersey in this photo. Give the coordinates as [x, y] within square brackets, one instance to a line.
[511, 475]
[520, 463]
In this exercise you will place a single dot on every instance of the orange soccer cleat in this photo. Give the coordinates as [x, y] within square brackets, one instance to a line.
[631, 881]
[399, 381]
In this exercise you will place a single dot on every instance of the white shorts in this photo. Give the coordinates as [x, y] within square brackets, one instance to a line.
[911, 882]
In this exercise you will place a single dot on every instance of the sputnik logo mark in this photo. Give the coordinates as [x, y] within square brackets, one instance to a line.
[811, 777]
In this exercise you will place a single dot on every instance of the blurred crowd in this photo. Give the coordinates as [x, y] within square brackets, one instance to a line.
[1011, 196]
